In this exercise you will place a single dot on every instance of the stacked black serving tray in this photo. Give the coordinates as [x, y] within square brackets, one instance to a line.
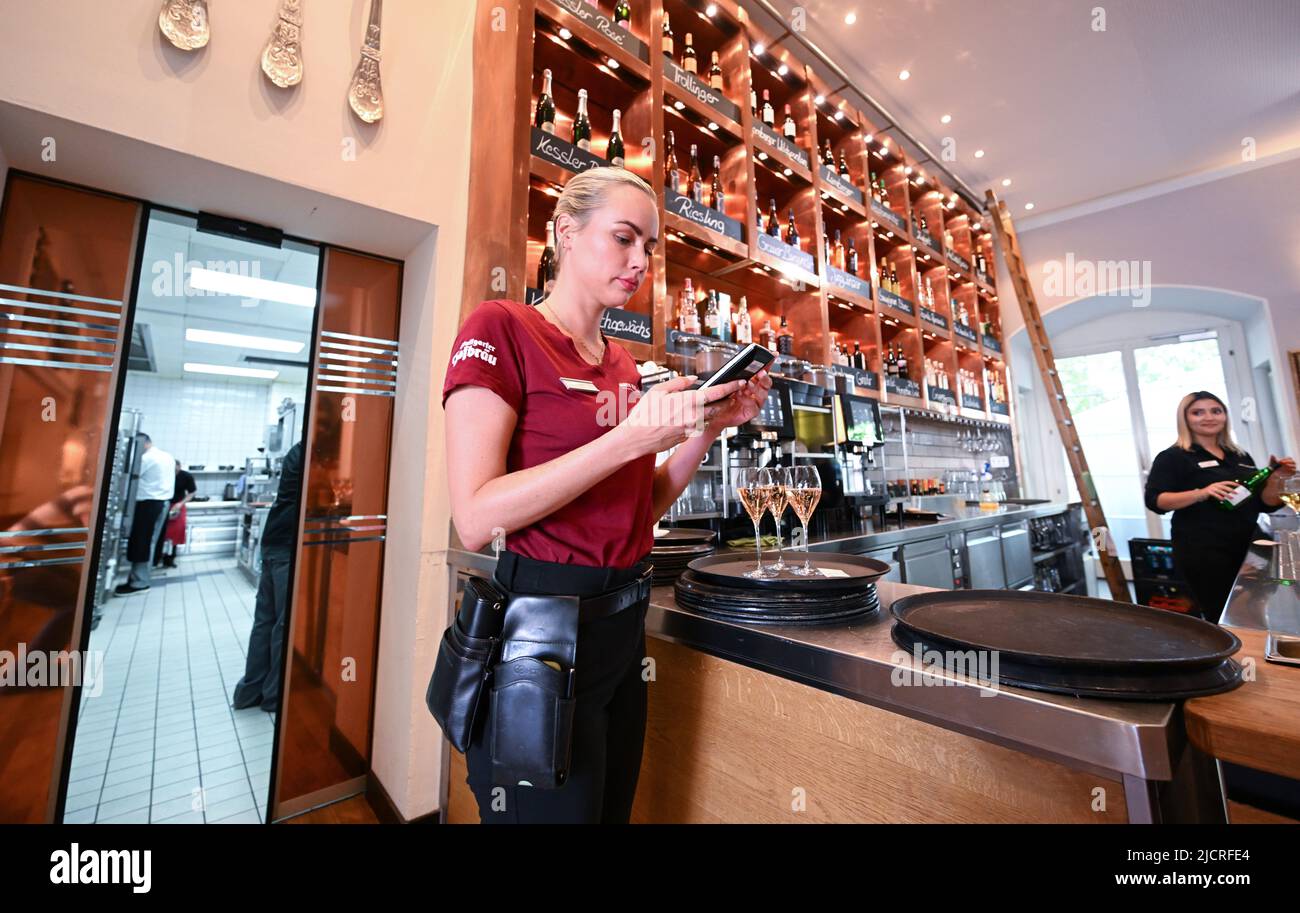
[1069, 644]
[674, 549]
[842, 591]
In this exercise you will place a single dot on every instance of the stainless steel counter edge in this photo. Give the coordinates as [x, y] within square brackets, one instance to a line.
[858, 661]
[857, 544]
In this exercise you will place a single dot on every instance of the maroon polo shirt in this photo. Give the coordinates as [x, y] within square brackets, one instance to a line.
[514, 351]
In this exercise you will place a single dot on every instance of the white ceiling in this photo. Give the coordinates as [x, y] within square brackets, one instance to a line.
[168, 315]
[1170, 88]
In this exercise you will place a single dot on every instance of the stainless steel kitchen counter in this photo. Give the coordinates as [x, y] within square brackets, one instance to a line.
[1260, 599]
[964, 518]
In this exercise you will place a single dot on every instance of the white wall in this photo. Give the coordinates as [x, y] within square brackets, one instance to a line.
[214, 421]
[206, 131]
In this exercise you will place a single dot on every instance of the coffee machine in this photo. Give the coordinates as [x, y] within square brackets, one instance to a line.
[859, 437]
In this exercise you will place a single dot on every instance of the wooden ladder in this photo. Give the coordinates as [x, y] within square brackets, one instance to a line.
[1010, 245]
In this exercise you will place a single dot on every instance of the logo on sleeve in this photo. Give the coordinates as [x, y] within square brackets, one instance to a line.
[475, 348]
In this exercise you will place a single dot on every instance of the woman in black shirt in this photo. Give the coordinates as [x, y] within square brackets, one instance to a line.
[1190, 478]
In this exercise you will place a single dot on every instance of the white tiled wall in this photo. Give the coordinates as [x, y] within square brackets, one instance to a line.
[213, 421]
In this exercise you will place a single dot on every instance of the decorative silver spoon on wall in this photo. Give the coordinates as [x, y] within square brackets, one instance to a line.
[185, 23]
[282, 58]
[365, 95]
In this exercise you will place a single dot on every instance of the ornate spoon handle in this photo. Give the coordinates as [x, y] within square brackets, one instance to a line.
[282, 58]
[185, 23]
[365, 94]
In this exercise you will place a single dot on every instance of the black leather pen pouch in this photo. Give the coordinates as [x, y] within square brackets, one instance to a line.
[531, 717]
[465, 657]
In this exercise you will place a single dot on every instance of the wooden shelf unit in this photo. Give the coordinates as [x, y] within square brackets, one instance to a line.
[512, 190]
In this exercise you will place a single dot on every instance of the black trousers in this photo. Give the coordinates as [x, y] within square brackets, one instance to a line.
[260, 683]
[1209, 570]
[609, 708]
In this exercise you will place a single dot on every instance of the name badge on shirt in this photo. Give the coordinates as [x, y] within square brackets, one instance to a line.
[1206, 464]
[573, 383]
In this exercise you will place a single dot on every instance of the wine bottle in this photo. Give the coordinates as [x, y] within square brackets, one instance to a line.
[893, 281]
[715, 74]
[768, 337]
[672, 173]
[920, 221]
[769, 116]
[744, 329]
[711, 325]
[851, 260]
[688, 315]
[753, 102]
[929, 294]
[844, 166]
[623, 15]
[858, 360]
[614, 151]
[689, 62]
[875, 190]
[716, 197]
[546, 265]
[837, 252]
[667, 37]
[902, 363]
[829, 157]
[1252, 485]
[773, 223]
[788, 128]
[791, 233]
[581, 124]
[963, 315]
[694, 180]
[785, 341]
[545, 118]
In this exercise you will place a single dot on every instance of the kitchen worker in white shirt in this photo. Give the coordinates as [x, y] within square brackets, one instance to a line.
[153, 494]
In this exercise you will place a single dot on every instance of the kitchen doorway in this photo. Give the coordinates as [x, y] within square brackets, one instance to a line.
[206, 476]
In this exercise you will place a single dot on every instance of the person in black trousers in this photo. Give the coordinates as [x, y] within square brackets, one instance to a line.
[260, 685]
[1191, 478]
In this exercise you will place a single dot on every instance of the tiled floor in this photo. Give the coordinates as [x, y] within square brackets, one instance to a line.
[161, 743]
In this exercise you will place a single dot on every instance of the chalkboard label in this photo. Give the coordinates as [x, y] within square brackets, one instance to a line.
[999, 408]
[848, 282]
[958, 261]
[597, 20]
[940, 395]
[937, 319]
[887, 215]
[904, 386]
[964, 331]
[711, 97]
[971, 402]
[550, 147]
[774, 140]
[841, 184]
[992, 343]
[925, 237]
[532, 296]
[784, 252]
[702, 215]
[628, 325]
[861, 379]
[894, 301]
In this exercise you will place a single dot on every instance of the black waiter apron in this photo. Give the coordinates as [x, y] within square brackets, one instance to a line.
[1210, 543]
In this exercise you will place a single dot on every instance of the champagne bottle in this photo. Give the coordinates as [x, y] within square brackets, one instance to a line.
[545, 118]
[689, 62]
[1253, 485]
[788, 128]
[920, 221]
[546, 265]
[744, 329]
[844, 166]
[894, 283]
[858, 360]
[851, 260]
[791, 233]
[623, 15]
[837, 252]
[829, 157]
[753, 102]
[581, 124]
[711, 324]
[614, 151]
[773, 223]
[769, 116]
[688, 319]
[672, 173]
[716, 196]
[768, 337]
[902, 363]
[785, 341]
[694, 180]
[667, 38]
[715, 74]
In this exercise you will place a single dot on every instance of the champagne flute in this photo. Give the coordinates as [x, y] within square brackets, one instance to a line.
[1291, 493]
[753, 488]
[777, 502]
[804, 491]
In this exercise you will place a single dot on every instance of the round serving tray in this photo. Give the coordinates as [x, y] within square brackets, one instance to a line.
[760, 609]
[842, 572]
[1052, 629]
[1163, 684]
[681, 536]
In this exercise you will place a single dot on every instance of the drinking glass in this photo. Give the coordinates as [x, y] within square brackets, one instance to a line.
[777, 501]
[753, 489]
[1291, 493]
[805, 490]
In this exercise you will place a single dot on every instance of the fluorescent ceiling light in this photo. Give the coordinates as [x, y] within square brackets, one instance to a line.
[240, 340]
[210, 280]
[196, 367]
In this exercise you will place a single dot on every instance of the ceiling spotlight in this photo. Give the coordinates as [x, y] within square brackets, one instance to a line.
[819, 100]
[762, 156]
[868, 139]
[566, 34]
[946, 119]
[839, 115]
[904, 74]
[979, 153]
[1006, 182]
[782, 70]
[850, 18]
[711, 10]
[679, 105]
[712, 125]
[613, 64]
[787, 172]
[759, 49]
[1029, 206]
[908, 170]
